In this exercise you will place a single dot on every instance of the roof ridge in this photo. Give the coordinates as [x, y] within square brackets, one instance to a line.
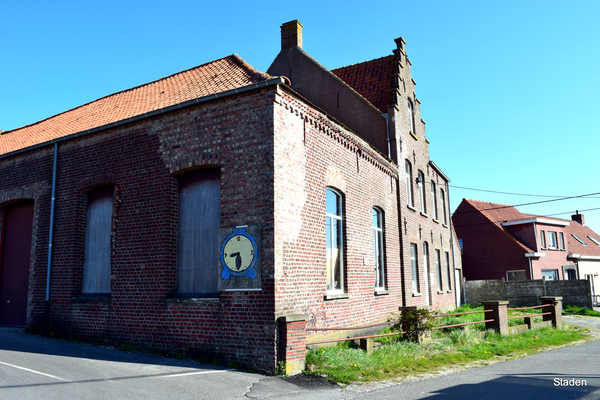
[363, 62]
[234, 57]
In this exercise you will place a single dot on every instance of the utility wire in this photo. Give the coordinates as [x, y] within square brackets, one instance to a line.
[514, 194]
[528, 204]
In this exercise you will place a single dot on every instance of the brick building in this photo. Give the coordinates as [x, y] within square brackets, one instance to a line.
[222, 210]
[498, 241]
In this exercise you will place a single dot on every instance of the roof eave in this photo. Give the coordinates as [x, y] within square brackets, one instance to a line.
[243, 89]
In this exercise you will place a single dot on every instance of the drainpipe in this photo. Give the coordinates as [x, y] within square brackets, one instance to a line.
[51, 234]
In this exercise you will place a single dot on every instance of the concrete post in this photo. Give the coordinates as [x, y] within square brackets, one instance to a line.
[292, 343]
[497, 312]
[555, 309]
[366, 345]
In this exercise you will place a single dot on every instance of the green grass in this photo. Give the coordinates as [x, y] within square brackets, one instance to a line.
[568, 309]
[345, 364]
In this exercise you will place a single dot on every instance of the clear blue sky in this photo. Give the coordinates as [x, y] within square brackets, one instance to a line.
[510, 90]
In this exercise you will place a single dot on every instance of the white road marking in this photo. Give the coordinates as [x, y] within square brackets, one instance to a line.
[188, 373]
[35, 372]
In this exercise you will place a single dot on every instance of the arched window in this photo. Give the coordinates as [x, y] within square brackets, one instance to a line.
[438, 269]
[411, 117]
[409, 182]
[98, 220]
[334, 239]
[443, 206]
[434, 200]
[199, 219]
[414, 264]
[421, 180]
[378, 249]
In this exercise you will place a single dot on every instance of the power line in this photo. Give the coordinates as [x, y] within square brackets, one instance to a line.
[528, 204]
[510, 193]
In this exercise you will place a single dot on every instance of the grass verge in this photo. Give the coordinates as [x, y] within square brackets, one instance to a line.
[345, 364]
[568, 309]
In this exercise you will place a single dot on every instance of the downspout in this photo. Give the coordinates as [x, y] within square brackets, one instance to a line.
[51, 234]
[535, 235]
[401, 239]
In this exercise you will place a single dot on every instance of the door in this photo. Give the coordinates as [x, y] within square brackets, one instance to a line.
[14, 264]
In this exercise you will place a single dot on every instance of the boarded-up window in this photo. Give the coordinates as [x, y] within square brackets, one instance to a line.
[96, 265]
[197, 243]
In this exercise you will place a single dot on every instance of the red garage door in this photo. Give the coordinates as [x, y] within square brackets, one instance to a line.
[14, 266]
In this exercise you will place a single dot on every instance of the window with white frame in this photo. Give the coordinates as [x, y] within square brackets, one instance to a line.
[552, 240]
[543, 239]
[579, 239]
[448, 270]
[593, 239]
[409, 183]
[438, 269]
[414, 264]
[426, 264]
[562, 241]
[423, 205]
[443, 206]
[434, 201]
[516, 275]
[334, 240]
[411, 117]
[378, 249]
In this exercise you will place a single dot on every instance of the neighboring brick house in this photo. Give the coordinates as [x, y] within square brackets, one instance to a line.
[221, 210]
[498, 241]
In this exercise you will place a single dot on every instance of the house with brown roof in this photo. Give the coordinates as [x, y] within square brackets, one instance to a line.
[222, 211]
[498, 241]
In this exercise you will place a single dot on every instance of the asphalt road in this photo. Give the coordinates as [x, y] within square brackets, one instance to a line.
[34, 367]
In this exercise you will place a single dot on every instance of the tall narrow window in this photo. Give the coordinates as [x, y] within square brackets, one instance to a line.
[448, 270]
[197, 245]
[543, 239]
[426, 265]
[414, 264]
[96, 263]
[562, 241]
[434, 201]
[552, 242]
[421, 179]
[409, 183]
[333, 227]
[411, 117]
[438, 269]
[378, 249]
[443, 206]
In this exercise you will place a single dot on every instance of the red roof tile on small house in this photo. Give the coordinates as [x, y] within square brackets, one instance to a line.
[372, 79]
[210, 78]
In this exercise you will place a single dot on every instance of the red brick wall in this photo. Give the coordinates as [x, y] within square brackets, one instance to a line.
[311, 154]
[487, 252]
[143, 160]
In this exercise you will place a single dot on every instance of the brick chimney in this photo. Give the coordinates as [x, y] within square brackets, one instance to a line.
[291, 34]
[578, 218]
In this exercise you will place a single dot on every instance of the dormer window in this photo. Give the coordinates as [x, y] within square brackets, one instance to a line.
[543, 239]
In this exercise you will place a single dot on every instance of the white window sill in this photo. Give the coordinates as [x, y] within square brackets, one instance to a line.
[440, 292]
[381, 292]
[445, 225]
[336, 296]
[417, 294]
[198, 300]
[424, 214]
[411, 208]
[436, 221]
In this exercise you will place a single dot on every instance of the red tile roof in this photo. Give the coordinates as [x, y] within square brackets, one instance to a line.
[372, 79]
[499, 213]
[214, 77]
